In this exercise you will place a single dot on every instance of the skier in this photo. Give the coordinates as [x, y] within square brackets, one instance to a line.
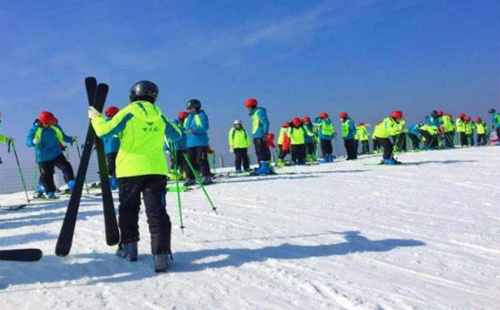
[310, 139]
[448, 129]
[178, 150]
[298, 140]
[196, 125]
[382, 133]
[414, 135]
[4, 139]
[495, 121]
[364, 137]
[460, 127]
[283, 144]
[326, 133]
[260, 129]
[239, 142]
[348, 132]
[480, 131]
[141, 167]
[376, 132]
[48, 140]
[430, 130]
[111, 147]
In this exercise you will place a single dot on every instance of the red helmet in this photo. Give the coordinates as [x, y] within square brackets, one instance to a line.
[182, 115]
[306, 119]
[397, 114]
[440, 113]
[111, 111]
[47, 118]
[324, 115]
[361, 124]
[461, 115]
[343, 115]
[467, 118]
[251, 103]
[286, 124]
[297, 122]
[270, 136]
[379, 122]
[479, 120]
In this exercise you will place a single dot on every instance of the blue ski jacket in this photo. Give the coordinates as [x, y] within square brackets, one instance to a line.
[51, 141]
[197, 121]
[181, 144]
[431, 121]
[326, 129]
[413, 129]
[260, 122]
[112, 143]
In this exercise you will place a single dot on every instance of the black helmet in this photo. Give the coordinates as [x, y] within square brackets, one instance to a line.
[491, 111]
[194, 103]
[144, 90]
[434, 113]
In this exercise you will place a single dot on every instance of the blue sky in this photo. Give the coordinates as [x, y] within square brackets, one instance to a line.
[297, 57]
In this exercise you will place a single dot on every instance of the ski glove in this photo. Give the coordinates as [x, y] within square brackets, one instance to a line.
[93, 112]
[36, 141]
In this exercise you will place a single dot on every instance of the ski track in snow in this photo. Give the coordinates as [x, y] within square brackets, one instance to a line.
[347, 235]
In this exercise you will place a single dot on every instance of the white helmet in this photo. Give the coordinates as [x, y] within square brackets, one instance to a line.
[238, 122]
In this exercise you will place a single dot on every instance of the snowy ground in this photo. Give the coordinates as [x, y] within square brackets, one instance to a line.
[345, 235]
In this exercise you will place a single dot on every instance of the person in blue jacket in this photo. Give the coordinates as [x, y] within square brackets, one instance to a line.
[111, 147]
[495, 121]
[178, 149]
[414, 135]
[196, 125]
[326, 133]
[260, 130]
[48, 140]
[348, 133]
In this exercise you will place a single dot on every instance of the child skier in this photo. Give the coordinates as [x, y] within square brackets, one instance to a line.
[376, 132]
[480, 131]
[283, 144]
[448, 129]
[386, 130]
[469, 130]
[363, 137]
[348, 132]
[239, 142]
[48, 141]
[111, 147]
[141, 167]
[260, 129]
[460, 127]
[178, 150]
[298, 141]
[326, 133]
[310, 139]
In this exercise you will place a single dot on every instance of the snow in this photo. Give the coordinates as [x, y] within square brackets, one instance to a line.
[347, 235]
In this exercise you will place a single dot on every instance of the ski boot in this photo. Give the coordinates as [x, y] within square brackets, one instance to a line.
[189, 182]
[238, 171]
[51, 195]
[71, 185]
[162, 261]
[39, 191]
[309, 158]
[389, 162]
[128, 251]
[264, 168]
[280, 163]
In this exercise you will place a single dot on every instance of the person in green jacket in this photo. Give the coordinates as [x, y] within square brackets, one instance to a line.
[141, 168]
[4, 139]
[460, 127]
[469, 130]
[239, 142]
[376, 132]
[387, 129]
[298, 135]
[448, 129]
[480, 131]
[363, 137]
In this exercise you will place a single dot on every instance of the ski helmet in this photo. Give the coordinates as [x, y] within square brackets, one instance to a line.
[306, 119]
[440, 113]
[491, 111]
[182, 115]
[434, 113]
[397, 114]
[144, 90]
[467, 118]
[343, 115]
[47, 118]
[297, 122]
[361, 124]
[379, 122]
[479, 120]
[324, 115]
[194, 104]
[251, 103]
[286, 124]
[238, 122]
[461, 115]
[111, 111]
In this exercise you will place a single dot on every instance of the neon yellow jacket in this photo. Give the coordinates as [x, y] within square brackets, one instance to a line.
[238, 138]
[298, 135]
[141, 128]
[460, 125]
[386, 129]
[447, 123]
[469, 128]
[281, 136]
[362, 133]
[481, 128]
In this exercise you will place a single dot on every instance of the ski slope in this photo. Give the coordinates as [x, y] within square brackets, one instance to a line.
[347, 235]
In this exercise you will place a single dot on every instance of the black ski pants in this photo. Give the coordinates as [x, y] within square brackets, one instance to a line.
[470, 137]
[449, 139]
[365, 147]
[350, 147]
[299, 153]
[311, 148]
[111, 159]
[282, 153]
[198, 157]
[376, 144]
[463, 138]
[241, 156]
[481, 139]
[152, 188]
[261, 150]
[388, 148]
[47, 172]
[326, 147]
[415, 141]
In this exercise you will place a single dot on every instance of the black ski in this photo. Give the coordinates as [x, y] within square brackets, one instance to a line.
[21, 255]
[65, 240]
[13, 207]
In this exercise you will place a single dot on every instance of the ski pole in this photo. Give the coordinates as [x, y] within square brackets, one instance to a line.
[176, 174]
[20, 171]
[198, 180]
[80, 157]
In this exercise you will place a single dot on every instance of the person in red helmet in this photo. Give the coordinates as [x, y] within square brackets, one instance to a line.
[326, 133]
[310, 139]
[469, 130]
[260, 129]
[48, 140]
[348, 134]
[480, 131]
[283, 144]
[384, 132]
[178, 150]
[448, 130]
[111, 147]
[460, 127]
[298, 141]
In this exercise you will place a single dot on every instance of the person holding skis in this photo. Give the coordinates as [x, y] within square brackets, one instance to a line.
[196, 124]
[4, 139]
[460, 127]
[283, 144]
[298, 141]
[141, 167]
[383, 133]
[239, 142]
[310, 139]
[495, 121]
[111, 147]
[326, 133]
[348, 133]
[260, 129]
[178, 150]
[363, 137]
[480, 131]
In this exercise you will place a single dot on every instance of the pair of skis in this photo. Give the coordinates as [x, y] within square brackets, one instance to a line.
[96, 97]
